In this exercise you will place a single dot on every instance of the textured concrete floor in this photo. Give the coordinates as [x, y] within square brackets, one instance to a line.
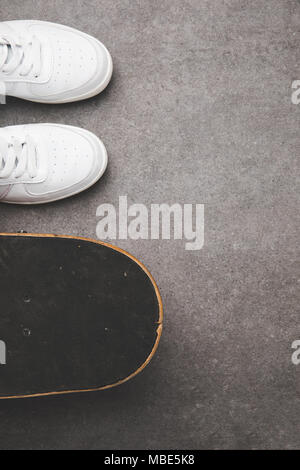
[199, 111]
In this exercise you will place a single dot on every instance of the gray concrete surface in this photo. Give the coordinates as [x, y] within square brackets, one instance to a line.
[199, 111]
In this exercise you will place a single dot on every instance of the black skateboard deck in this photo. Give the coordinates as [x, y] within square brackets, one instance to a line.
[75, 315]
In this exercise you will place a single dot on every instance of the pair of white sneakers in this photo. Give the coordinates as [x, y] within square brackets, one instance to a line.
[49, 63]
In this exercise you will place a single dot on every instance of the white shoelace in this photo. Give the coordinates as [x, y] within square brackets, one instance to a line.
[18, 157]
[22, 54]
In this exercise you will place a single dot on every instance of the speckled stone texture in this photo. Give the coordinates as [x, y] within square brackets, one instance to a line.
[199, 111]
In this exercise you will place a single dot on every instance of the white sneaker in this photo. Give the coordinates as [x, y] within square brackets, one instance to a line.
[51, 63]
[42, 163]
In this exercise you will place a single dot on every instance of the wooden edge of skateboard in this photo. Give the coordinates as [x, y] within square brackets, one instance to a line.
[159, 323]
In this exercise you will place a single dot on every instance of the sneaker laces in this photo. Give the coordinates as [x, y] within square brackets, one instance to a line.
[18, 157]
[23, 54]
